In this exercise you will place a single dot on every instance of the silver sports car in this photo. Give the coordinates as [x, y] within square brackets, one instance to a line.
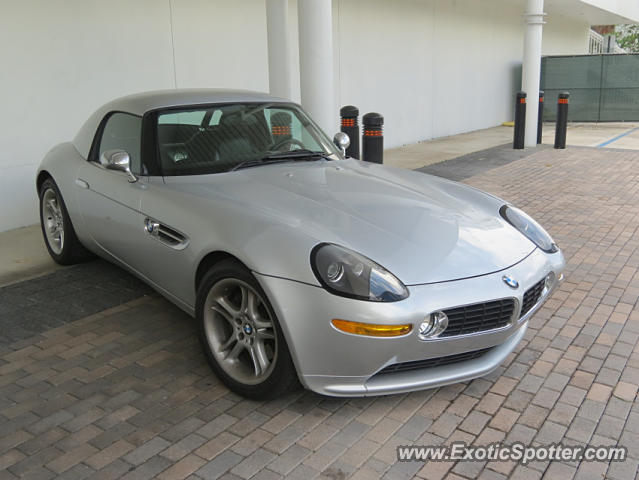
[299, 265]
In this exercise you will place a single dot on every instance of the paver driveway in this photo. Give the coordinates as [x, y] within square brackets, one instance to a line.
[126, 392]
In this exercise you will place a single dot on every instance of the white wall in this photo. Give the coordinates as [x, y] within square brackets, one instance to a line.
[62, 60]
[220, 44]
[563, 36]
[432, 67]
[439, 67]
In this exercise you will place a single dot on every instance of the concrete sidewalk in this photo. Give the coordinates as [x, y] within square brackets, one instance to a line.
[599, 135]
[420, 154]
[23, 254]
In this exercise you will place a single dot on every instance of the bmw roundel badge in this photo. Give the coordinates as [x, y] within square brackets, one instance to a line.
[510, 281]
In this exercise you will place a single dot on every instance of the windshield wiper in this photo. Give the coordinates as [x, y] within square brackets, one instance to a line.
[297, 154]
[294, 155]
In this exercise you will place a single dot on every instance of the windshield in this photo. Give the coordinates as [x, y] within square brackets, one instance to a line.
[217, 138]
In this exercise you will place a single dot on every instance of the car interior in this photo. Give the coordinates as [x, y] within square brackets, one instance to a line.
[220, 141]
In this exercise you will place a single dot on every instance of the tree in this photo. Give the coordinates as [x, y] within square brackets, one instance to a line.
[627, 37]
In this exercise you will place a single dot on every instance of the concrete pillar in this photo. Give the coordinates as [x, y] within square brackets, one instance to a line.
[279, 63]
[531, 70]
[315, 19]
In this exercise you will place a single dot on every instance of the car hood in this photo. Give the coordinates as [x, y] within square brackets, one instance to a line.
[423, 229]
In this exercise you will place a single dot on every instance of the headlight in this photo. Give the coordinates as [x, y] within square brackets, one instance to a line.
[531, 229]
[349, 274]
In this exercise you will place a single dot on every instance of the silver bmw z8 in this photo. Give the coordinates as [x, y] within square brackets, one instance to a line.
[299, 265]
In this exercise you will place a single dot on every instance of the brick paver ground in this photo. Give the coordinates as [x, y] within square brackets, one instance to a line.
[32, 307]
[126, 392]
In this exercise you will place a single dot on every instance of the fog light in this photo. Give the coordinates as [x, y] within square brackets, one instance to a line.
[371, 329]
[549, 282]
[433, 325]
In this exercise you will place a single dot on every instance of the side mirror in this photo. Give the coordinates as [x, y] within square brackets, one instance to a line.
[118, 160]
[342, 141]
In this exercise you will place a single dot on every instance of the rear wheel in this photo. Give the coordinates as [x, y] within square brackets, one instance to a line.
[59, 237]
[240, 334]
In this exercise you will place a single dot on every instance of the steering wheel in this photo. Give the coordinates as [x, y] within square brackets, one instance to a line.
[288, 141]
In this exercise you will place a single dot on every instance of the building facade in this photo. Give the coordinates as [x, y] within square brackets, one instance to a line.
[432, 67]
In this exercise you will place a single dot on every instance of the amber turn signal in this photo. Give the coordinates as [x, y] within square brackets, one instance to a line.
[371, 329]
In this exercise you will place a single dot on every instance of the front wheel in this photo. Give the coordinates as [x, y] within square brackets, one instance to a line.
[240, 334]
[59, 236]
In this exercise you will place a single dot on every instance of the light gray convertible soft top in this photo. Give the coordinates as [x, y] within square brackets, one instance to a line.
[140, 103]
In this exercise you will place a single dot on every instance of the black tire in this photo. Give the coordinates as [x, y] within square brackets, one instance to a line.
[283, 377]
[71, 251]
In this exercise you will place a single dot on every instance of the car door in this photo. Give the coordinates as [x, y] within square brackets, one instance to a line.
[109, 202]
[168, 251]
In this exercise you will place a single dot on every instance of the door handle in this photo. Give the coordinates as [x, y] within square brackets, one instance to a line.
[81, 183]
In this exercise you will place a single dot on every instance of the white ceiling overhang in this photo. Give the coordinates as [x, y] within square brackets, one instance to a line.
[596, 12]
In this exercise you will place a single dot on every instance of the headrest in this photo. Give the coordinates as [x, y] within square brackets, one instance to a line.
[237, 119]
[281, 119]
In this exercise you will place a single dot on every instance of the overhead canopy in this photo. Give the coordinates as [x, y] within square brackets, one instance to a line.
[596, 12]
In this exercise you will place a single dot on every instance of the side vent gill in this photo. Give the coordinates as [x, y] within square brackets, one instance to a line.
[165, 234]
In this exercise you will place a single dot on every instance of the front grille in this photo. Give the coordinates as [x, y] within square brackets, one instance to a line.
[433, 362]
[532, 296]
[479, 317]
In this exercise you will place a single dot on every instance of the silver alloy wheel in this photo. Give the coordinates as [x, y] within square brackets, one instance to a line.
[240, 331]
[53, 220]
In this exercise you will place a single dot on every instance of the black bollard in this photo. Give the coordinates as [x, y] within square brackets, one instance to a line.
[540, 115]
[373, 138]
[350, 127]
[520, 120]
[562, 120]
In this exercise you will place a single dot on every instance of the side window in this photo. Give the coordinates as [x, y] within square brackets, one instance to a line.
[182, 118]
[123, 132]
[215, 118]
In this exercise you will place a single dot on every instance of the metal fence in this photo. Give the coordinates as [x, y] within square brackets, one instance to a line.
[595, 42]
[603, 88]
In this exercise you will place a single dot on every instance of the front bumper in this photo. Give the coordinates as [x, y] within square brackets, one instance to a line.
[335, 363]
